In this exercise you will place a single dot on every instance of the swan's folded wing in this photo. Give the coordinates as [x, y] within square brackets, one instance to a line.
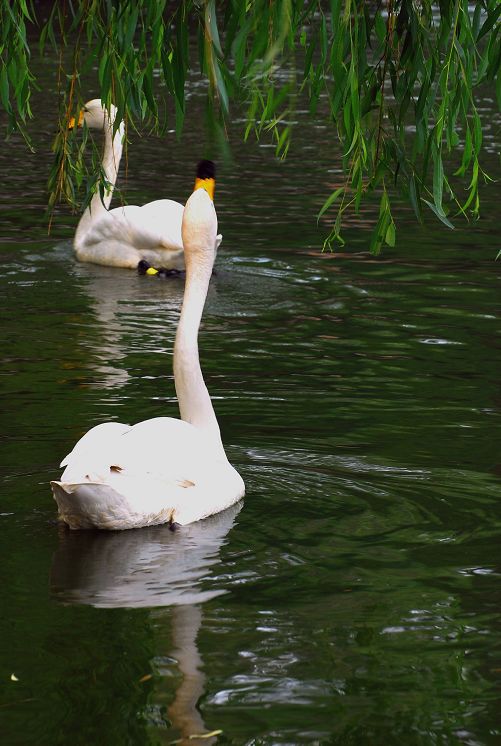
[94, 453]
[154, 226]
[166, 449]
[152, 231]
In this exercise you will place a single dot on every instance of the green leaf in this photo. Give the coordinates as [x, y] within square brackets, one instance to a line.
[380, 231]
[440, 215]
[330, 201]
[131, 28]
[179, 117]
[390, 234]
[438, 178]
[490, 21]
[477, 133]
[221, 87]
[380, 28]
[211, 20]
[308, 58]
[415, 197]
[467, 154]
[4, 89]
[148, 92]
[323, 40]
[25, 11]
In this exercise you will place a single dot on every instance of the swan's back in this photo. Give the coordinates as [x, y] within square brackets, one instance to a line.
[164, 445]
[124, 235]
[159, 470]
[156, 225]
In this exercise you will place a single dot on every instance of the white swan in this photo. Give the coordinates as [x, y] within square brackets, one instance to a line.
[124, 236]
[160, 470]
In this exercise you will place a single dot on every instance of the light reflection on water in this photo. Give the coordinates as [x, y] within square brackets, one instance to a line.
[359, 398]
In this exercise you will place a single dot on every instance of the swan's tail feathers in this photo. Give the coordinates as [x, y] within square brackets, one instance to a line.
[92, 505]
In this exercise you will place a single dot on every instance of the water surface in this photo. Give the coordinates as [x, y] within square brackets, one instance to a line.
[354, 597]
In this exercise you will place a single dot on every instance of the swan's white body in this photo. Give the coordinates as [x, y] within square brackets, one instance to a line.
[125, 235]
[163, 469]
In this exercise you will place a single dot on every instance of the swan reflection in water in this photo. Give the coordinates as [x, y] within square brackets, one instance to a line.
[116, 297]
[147, 568]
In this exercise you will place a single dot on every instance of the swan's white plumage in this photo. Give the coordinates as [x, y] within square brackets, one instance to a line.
[125, 235]
[163, 469]
[153, 472]
[122, 237]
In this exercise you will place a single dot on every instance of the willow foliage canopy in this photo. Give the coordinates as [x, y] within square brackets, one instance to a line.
[399, 78]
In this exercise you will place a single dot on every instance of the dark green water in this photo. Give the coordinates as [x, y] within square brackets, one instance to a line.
[356, 596]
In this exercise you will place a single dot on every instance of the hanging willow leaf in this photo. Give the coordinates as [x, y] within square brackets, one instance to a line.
[330, 201]
[440, 214]
[438, 177]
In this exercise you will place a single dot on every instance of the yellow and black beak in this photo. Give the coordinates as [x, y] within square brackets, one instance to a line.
[72, 123]
[208, 184]
[206, 178]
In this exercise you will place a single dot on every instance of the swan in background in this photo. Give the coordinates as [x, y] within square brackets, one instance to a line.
[160, 470]
[126, 235]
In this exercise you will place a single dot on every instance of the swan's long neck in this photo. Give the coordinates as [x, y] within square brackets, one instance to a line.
[194, 401]
[110, 163]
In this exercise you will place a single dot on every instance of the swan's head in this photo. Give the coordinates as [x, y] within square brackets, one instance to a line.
[199, 227]
[95, 116]
[206, 177]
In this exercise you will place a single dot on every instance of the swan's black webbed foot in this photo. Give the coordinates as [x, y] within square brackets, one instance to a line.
[145, 268]
[173, 526]
[163, 272]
